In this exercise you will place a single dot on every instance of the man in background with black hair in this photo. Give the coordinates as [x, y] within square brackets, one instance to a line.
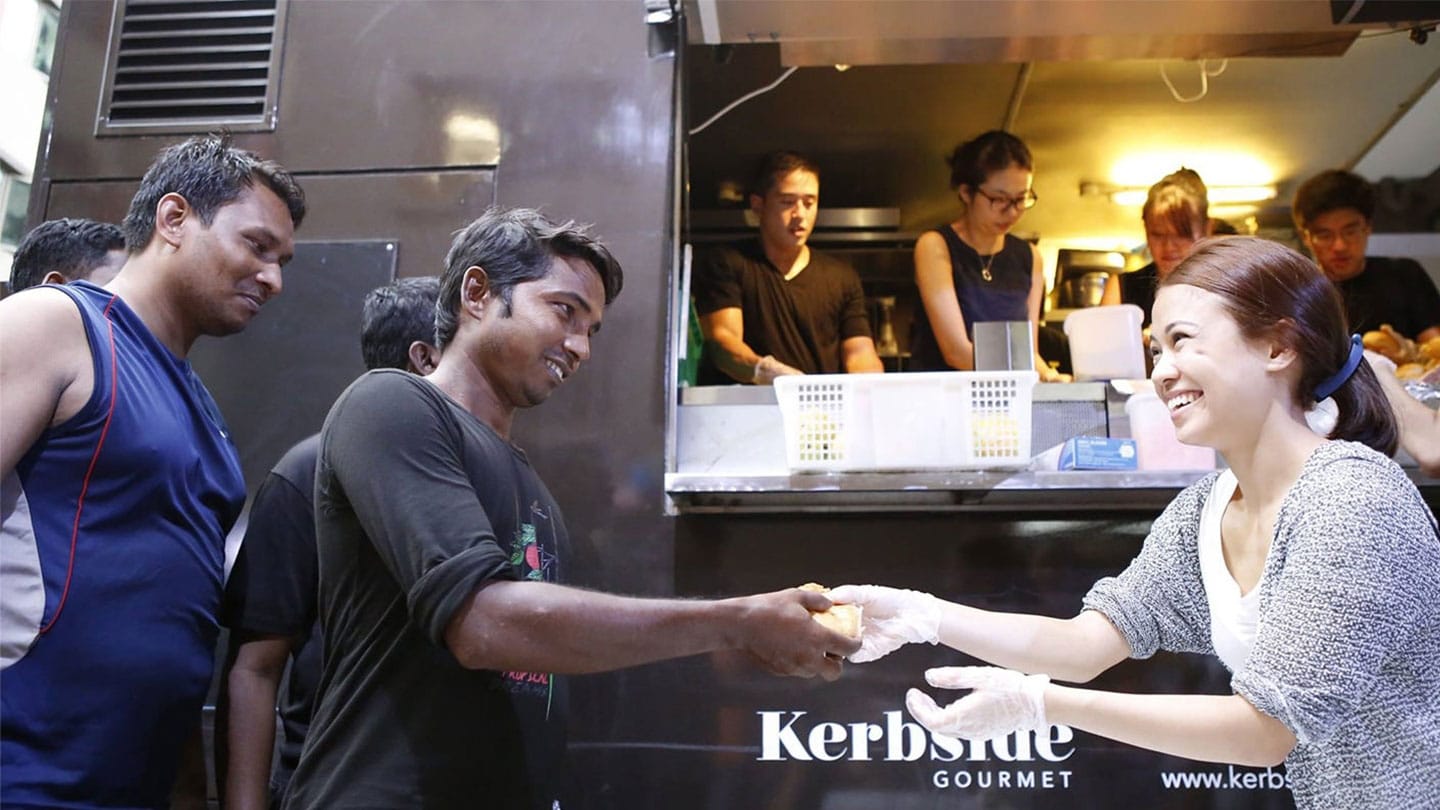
[65, 250]
[270, 596]
[1332, 212]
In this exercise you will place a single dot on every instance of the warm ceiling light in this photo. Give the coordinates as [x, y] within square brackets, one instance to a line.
[1216, 168]
[1222, 195]
[1218, 195]
[1129, 196]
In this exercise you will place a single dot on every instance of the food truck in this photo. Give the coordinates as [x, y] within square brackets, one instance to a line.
[405, 119]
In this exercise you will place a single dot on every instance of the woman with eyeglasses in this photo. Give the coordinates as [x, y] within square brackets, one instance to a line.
[1176, 215]
[973, 270]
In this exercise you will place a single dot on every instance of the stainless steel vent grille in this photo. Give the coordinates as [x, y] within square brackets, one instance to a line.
[192, 66]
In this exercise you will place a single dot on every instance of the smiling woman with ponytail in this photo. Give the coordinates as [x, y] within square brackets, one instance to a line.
[1308, 567]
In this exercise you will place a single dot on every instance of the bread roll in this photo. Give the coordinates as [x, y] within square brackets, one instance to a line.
[1385, 344]
[843, 619]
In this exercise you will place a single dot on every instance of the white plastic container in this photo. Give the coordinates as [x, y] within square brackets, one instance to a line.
[1156, 446]
[1105, 342]
[942, 420]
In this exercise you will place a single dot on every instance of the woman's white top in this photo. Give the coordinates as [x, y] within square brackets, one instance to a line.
[1232, 615]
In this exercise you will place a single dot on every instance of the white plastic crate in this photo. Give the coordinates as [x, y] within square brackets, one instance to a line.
[943, 420]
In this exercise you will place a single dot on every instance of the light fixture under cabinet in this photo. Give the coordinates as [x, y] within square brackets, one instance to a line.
[1217, 195]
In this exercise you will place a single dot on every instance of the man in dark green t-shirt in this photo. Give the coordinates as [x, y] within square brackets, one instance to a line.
[447, 630]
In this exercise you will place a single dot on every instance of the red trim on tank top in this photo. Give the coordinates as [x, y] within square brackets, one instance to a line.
[94, 458]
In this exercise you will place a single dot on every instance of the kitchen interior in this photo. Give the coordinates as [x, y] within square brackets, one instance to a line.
[1271, 95]
[1257, 97]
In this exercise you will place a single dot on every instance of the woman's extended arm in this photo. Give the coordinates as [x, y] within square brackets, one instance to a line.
[1075, 649]
[1213, 728]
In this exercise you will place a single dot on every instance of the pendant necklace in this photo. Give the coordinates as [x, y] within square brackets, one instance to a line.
[985, 271]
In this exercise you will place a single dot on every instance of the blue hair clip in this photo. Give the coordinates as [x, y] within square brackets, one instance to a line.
[1333, 383]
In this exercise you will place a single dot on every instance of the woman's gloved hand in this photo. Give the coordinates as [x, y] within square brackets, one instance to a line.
[1003, 701]
[890, 618]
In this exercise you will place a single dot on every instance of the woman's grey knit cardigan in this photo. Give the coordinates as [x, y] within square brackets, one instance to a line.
[1347, 648]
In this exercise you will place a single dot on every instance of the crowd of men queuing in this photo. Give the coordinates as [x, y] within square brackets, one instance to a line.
[400, 590]
[410, 543]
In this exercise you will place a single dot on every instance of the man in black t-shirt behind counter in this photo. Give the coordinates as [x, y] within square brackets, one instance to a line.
[446, 629]
[270, 596]
[771, 306]
[1332, 212]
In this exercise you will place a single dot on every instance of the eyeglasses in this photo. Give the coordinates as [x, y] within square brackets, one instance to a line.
[1000, 204]
[1349, 234]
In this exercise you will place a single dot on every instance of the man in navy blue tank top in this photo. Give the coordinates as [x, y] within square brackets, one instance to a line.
[120, 483]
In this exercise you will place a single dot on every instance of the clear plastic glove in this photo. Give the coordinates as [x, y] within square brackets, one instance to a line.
[1003, 701]
[769, 368]
[892, 618]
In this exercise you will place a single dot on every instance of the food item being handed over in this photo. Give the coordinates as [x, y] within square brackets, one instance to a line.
[1412, 360]
[840, 618]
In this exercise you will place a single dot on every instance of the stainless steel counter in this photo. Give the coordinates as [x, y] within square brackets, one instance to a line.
[959, 490]
[731, 458]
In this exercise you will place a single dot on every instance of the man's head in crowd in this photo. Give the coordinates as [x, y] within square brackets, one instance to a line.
[785, 196]
[398, 325]
[1332, 212]
[65, 250]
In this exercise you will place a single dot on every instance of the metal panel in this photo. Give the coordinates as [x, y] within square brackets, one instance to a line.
[983, 50]
[275, 381]
[739, 21]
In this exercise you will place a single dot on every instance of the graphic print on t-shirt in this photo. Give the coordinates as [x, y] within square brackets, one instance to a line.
[533, 560]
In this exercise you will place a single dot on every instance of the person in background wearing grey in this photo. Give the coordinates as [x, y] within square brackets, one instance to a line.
[270, 597]
[1309, 567]
[448, 632]
[65, 250]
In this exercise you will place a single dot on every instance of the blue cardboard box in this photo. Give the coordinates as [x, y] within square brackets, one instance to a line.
[1097, 453]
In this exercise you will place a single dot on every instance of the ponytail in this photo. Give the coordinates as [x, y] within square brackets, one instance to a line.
[1365, 414]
